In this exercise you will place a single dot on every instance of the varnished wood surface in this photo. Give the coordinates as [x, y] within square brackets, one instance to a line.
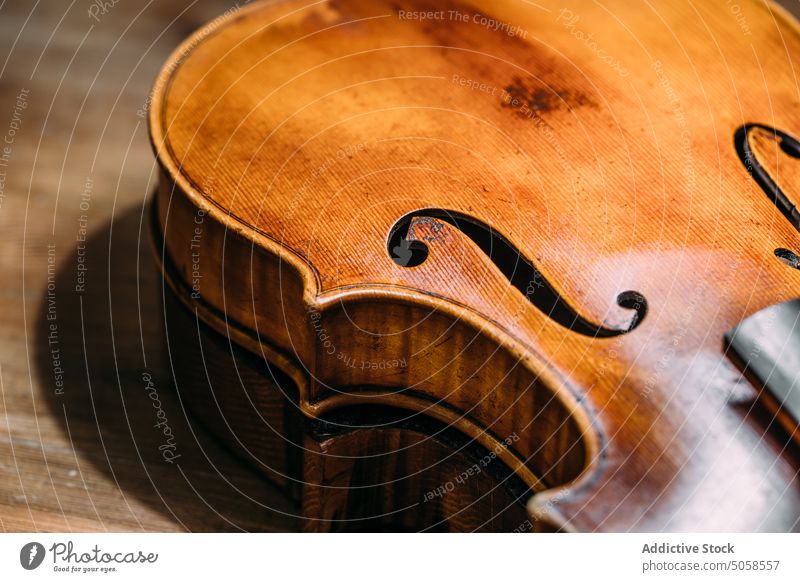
[87, 81]
[88, 460]
[610, 179]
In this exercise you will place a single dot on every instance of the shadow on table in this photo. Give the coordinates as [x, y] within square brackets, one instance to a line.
[117, 402]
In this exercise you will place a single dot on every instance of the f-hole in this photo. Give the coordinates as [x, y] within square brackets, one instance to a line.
[791, 147]
[517, 268]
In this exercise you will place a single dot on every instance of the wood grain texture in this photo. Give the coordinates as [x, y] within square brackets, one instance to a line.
[367, 468]
[88, 459]
[88, 81]
[292, 137]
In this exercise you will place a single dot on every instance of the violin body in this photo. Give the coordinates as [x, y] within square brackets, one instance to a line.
[469, 266]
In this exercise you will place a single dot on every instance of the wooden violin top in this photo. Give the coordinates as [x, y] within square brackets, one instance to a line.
[583, 228]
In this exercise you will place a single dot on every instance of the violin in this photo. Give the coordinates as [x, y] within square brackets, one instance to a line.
[488, 266]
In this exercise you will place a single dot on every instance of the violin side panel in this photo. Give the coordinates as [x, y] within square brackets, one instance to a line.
[400, 475]
[409, 478]
[239, 397]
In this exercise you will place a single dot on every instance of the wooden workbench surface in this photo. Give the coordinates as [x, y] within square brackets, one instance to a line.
[79, 445]
[86, 390]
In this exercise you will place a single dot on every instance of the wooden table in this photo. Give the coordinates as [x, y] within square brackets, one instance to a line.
[85, 383]
[82, 324]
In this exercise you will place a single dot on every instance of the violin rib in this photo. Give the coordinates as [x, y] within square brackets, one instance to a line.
[484, 256]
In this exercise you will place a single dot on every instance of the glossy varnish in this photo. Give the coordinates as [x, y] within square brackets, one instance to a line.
[597, 140]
